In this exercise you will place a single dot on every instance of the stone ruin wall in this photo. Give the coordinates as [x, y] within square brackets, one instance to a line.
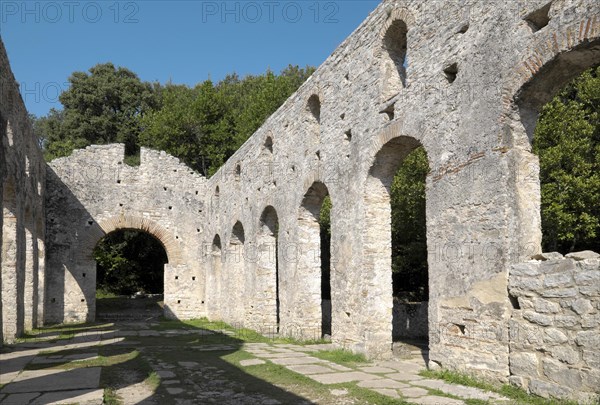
[92, 193]
[476, 77]
[22, 187]
[555, 328]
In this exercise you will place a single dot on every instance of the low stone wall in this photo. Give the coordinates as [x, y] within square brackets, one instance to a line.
[555, 327]
[410, 320]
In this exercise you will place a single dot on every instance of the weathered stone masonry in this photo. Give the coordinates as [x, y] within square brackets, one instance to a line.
[22, 185]
[466, 81]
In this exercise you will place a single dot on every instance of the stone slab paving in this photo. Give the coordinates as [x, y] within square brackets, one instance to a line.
[54, 380]
[251, 362]
[388, 392]
[382, 383]
[80, 397]
[291, 361]
[392, 378]
[376, 370]
[342, 377]
[436, 400]
[308, 369]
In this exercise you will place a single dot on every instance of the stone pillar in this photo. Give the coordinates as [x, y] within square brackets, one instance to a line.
[41, 286]
[12, 277]
[31, 279]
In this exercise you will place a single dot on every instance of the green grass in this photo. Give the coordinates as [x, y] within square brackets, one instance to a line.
[367, 396]
[518, 395]
[105, 294]
[100, 361]
[153, 380]
[111, 397]
[340, 356]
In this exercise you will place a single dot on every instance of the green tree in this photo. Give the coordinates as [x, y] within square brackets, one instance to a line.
[129, 261]
[205, 125]
[191, 125]
[409, 236]
[101, 107]
[567, 141]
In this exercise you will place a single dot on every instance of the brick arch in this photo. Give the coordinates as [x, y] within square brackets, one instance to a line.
[549, 63]
[395, 14]
[392, 131]
[124, 221]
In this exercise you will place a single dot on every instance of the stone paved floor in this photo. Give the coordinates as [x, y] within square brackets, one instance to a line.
[25, 380]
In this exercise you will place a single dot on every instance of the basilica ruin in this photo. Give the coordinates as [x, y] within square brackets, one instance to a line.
[465, 80]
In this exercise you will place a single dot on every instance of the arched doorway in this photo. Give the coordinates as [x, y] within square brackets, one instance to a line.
[314, 261]
[129, 275]
[396, 239]
[266, 283]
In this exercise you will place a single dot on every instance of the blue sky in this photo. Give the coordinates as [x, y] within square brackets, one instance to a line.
[182, 41]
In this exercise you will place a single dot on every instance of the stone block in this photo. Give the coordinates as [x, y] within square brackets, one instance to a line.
[548, 390]
[548, 256]
[539, 319]
[554, 336]
[565, 354]
[591, 358]
[558, 280]
[566, 321]
[560, 293]
[524, 269]
[524, 285]
[587, 277]
[588, 339]
[582, 306]
[557, 267]
[584, 255]
[590, 290]
[545, 306]
[561, 373]
[590, 321]
[524, 364]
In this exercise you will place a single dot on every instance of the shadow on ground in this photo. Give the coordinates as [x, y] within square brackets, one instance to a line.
[126, 359]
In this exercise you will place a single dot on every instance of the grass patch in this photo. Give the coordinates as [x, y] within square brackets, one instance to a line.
[100, 293]
[367, 396]
[341, 356]
[153, 380]
[514, 393]
[111, 398]
[100, 361]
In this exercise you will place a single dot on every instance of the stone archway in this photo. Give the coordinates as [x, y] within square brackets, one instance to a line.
[85, 267]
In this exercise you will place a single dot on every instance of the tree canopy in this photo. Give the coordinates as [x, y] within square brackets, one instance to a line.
[203, 125]
[567, 141]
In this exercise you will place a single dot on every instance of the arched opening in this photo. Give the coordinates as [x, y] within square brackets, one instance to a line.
[314, 264]
[236, 266]
[31, 273]
[214, 280]
[267, 274]
[268, 146]
[314, 107]
[558, 210]
[567, 142]
[129, 275]
[395, 46]
[396, 239]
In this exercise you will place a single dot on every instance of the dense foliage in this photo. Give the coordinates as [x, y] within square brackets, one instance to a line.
[409, 239]
[567, 141]
[203, 125]
[130, 261]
